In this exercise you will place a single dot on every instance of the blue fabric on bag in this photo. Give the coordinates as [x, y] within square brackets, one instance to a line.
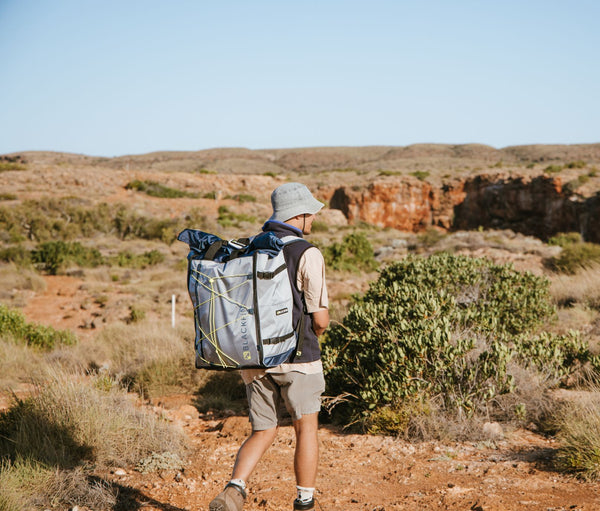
[199, 242]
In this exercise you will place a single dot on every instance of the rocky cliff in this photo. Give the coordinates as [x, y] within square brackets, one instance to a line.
[539, 206]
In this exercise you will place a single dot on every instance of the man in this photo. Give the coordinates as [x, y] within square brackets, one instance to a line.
[298, 383]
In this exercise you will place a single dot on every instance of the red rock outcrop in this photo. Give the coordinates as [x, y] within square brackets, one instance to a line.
[538, 206]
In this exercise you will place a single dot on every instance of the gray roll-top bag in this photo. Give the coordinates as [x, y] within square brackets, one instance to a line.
[242, 299]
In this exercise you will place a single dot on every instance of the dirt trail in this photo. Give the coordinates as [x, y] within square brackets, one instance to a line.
[64, 305]
[363, 472]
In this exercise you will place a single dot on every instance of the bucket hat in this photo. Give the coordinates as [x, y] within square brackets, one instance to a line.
[292, 199]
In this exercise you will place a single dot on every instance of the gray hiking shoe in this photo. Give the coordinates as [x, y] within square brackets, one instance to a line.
[304, 506]
[230, 499]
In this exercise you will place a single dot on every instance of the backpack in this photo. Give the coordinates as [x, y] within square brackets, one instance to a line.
[242, 299]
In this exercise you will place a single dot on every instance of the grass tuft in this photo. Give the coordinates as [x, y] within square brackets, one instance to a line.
[579, 434]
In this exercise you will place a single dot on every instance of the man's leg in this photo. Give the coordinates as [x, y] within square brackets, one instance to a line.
[306, 458]
[251, 451]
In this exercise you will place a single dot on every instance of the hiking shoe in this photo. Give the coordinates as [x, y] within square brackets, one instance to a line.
[230, 499]
[304, 506]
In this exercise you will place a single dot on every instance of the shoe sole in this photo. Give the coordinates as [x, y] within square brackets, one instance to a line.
[217, 506]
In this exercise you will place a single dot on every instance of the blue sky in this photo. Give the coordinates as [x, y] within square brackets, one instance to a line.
[116, 77]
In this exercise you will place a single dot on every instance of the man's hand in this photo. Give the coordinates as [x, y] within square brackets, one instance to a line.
[320, 321]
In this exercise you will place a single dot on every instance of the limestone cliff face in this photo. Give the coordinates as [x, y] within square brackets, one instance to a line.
[538, 206]
[406, 204]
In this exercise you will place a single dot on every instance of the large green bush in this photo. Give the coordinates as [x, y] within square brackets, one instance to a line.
[441, 329]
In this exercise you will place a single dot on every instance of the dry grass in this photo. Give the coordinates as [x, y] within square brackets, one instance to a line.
[578, 426]
[582, 288]
[67, 426]
[27, 485]
[149, 357]
[17, 283]
[20, 363]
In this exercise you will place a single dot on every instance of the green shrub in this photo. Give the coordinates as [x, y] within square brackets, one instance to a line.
[52, 256]
[155, 189]
[421, 175]
[244, 197]
[135, 314]
[354, 253]
[228, 218]
[578, 164]
[17, 254]
[8, 196]
[575, 256]
[44, 337]
[565, 239]
[202, 170]
[5, 166]
[438, 328]
[553, 169]
[430, 237]
[127, 259]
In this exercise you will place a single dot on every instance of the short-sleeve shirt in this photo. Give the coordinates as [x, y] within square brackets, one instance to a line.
[310, 279]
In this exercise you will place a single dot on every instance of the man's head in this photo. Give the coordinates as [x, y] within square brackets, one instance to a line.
[294, 204]
[292, 200]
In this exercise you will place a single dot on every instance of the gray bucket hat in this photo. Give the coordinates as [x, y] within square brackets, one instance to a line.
[292, 199]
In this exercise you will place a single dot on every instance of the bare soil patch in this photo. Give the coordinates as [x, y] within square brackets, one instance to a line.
[360, 472]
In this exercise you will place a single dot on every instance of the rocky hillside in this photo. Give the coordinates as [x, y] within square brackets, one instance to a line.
[537, 190]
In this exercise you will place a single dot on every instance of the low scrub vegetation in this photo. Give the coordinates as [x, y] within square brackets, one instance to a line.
[578, 425]
[69, 219]
[13, 324]
[228, 218]
[53, 257]
[354, 253]
[575, 255]
[155, 189]
[440, 334]
[52, 441]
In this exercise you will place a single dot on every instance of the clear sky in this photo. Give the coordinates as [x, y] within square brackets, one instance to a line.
[114, 77]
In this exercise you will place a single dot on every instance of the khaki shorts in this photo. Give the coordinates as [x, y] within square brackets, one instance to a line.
[300, 393]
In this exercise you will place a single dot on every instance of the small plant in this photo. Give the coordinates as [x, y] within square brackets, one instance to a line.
[135, 314]
[553, 169]
[421, 175]
[39, 336]
[244, 197]
[270, 174]
[431, 236]
[127, 259]
[389, 173]
[202, 170]
[578, 164]
[8, 196]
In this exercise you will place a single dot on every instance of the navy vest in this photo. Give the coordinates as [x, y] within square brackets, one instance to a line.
[292, 254]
